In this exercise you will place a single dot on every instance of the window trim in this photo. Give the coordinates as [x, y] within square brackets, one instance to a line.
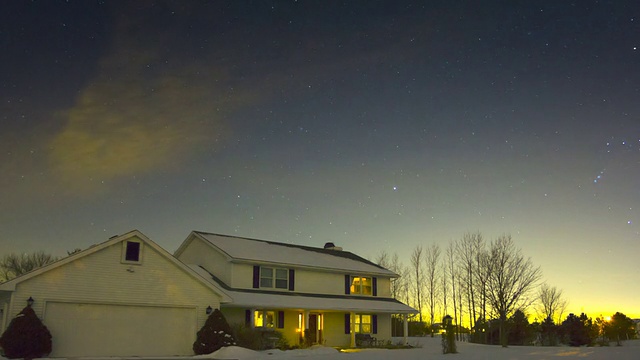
[264, 313]
[278, 319]
[274, 279]
[352, 286]
[358, 324]
[125, 248]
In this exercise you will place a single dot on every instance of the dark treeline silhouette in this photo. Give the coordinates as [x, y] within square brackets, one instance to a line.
[491, 291]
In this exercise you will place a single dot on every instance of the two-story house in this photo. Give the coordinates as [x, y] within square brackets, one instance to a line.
[127, 296]
[327, 293]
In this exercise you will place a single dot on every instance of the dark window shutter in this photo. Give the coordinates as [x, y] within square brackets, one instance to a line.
[292, 279]
[280, 319]
[256, 276]
[347, 284]
[247, 317]
[347, 323]
[375, 286]
[374, 323]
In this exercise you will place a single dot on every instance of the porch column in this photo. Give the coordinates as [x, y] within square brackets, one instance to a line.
[352, 332]
[405, 328]
[306, 320]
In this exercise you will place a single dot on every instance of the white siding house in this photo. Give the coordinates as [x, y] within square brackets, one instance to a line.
[327, 293]
[124, 297]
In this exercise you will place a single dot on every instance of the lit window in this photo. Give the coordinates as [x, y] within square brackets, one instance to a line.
[361, 285]
[274, 278]
[264, 319]
[362, 324]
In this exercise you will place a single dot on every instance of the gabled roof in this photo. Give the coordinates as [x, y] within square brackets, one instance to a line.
[11, 284]
[240, 249]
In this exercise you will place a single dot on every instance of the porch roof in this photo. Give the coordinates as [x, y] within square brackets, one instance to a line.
[313, 302]
[261, 299]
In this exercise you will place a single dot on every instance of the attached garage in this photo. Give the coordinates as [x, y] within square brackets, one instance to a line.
[120, 330]
[124, 297]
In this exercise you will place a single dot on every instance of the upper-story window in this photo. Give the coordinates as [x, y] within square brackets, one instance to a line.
[132, 252]
[277, 278]
[361, 285]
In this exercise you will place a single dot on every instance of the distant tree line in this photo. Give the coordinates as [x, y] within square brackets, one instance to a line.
[488, 286]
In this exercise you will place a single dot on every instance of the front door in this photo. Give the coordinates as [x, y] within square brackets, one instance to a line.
[313, 328]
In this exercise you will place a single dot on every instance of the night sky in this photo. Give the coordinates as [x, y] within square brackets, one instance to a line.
[375, 125]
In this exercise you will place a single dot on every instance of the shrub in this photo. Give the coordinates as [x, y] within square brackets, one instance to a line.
[26, 337]
[247, 337]
[259, 339]
[215, 334]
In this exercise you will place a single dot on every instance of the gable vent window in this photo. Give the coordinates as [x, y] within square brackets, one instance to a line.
[132, 252]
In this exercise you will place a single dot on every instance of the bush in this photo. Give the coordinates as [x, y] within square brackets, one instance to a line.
[259, 339]
[215, 334]
[26, 337]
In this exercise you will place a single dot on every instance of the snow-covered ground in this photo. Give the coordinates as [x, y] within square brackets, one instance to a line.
[429, 348]
[424, 348]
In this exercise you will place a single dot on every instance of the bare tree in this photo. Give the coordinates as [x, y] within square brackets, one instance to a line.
[451, 273]
[460, 298]
[511, 278]
[418, 278]
[551, 305]
[480, 273]
[445, 288]
[400, 285]
[432, 279]
[465, 249]
[14, 265]
[383, 259]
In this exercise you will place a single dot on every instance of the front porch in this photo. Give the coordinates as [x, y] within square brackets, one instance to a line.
[328, 327]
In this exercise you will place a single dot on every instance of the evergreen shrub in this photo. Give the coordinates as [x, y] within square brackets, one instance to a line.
[215, 334]
[26, 337]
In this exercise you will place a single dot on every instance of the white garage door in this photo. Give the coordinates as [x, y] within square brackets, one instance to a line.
[119, 330]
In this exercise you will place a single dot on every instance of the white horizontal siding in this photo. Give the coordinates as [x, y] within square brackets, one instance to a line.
[307, 281]
[102, 278]
[242, 276]
[202, 254]
[315, 282]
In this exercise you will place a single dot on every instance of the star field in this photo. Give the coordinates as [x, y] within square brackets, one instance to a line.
[377, 126]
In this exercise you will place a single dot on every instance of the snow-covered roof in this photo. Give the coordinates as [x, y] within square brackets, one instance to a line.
[312, 302]
[263, 251]
[11, 284]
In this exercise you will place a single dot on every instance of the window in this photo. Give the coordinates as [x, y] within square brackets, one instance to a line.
[361, 285]
[131, 252]
[274, 278]
[362, 324]
[264, 319]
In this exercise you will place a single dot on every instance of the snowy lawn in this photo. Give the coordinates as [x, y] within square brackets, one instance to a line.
[429, 348]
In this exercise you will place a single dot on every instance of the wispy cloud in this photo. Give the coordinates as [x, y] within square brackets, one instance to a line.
[142, 112]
